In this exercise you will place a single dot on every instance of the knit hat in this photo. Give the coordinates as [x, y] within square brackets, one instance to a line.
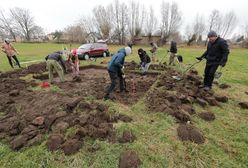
[212, 34]
[128, 51]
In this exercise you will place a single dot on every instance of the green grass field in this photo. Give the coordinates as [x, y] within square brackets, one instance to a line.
[157, 143]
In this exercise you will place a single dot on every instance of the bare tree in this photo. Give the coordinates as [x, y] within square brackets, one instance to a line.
[199, 28]
[171, 20]
[6, 26]
[136, 19]
[120, 21]
[229, 23]
[215, 20]
[75, 34]
[23, 21]
[151, 22]
[103, 19]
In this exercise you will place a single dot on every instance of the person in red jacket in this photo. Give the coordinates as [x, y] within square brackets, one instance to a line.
[74, 62]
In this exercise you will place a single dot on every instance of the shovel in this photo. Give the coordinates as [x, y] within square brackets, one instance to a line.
[190, 67]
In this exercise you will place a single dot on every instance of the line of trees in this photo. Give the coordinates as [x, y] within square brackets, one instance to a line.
[121, 22]
[19, 21]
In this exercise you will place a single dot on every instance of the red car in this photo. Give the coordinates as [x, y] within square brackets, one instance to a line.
[86, 51]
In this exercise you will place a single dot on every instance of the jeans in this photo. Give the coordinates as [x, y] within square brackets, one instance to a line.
[113, 77]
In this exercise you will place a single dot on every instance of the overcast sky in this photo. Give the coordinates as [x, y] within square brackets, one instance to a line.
[57, 14]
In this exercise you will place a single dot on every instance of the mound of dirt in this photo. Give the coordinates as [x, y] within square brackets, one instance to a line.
[224, 86]
[127, 137]
[187, 132]
[243, 105]
[71, 146]
[246, 93]
[207, 116]
[223, 99]
[129, 159]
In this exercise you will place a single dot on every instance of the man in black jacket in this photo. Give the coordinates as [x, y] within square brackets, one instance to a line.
[173, 52]
[145, 60]
[55, 62]
[216, 55]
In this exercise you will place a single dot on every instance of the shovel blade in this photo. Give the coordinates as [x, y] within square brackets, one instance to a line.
[177, 78]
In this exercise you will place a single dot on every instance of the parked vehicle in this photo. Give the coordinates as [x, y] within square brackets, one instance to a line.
[90, 50]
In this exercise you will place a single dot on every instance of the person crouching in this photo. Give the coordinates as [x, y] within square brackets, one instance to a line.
[74, 62]
[145, 61]
[55, 62]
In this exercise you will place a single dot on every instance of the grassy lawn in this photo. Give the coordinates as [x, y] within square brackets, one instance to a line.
[157, 143]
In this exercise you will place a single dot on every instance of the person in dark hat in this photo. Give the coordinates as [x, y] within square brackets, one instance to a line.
[216, 55]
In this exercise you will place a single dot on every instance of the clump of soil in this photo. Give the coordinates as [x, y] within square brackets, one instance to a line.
[224, 86]
[222, 99]
[207, 116]
[127, 137]
[129, 159]
[243, 105]
[187, 132]
[71, 146]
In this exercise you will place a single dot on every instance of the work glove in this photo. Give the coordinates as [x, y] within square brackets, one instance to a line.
[199, 58]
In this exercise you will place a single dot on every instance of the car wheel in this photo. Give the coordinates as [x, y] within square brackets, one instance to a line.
[104, 54]
[86, 56]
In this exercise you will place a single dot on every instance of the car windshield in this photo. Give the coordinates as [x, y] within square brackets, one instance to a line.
[85, 46]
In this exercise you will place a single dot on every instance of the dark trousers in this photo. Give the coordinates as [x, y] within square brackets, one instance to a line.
[16, 60]
[210, 70]
[113, 77]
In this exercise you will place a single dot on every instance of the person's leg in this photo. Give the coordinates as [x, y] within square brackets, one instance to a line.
[50, 70]
[147, 67]
[59, 70]
[10, 61]
[113, 78]
[121, 81]
[172, 57]
[77, 69]
[206, 75]
[212, 71]
[17, 61]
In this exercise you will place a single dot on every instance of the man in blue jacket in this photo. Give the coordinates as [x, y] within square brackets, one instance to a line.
[216, 55]
[115, 70]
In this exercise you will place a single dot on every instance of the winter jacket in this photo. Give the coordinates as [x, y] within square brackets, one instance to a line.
[57, 57]
[117, 61]
[217, 52]
[173, 47]
[144, 57]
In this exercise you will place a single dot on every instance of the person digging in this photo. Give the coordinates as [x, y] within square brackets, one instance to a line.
[74, 62]
[10, 52]
[116, 70]
[145, 61]
[55, 62]
[173, 53]
[216, 55]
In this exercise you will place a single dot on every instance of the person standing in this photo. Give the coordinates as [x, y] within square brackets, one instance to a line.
[55, 62]
[154, 51]
[173, 52]
[115, 70]
[145, 60]
[74, 62]
[216, 55]
[10, 52]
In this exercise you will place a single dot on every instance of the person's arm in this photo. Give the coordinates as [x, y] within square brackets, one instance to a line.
[225, 52]
[3, 49]
[119, 61]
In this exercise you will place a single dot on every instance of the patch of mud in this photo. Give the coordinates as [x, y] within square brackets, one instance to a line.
[207, 116]
[129, 159]
[187, 132]
[243, 105]
[224, 86]
[127, 137]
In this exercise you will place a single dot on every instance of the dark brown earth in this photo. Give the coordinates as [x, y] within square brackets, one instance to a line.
[28, 114]
[208, 116]
[243, 105]
[187, 132]
[127, 137]
[129, 159]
